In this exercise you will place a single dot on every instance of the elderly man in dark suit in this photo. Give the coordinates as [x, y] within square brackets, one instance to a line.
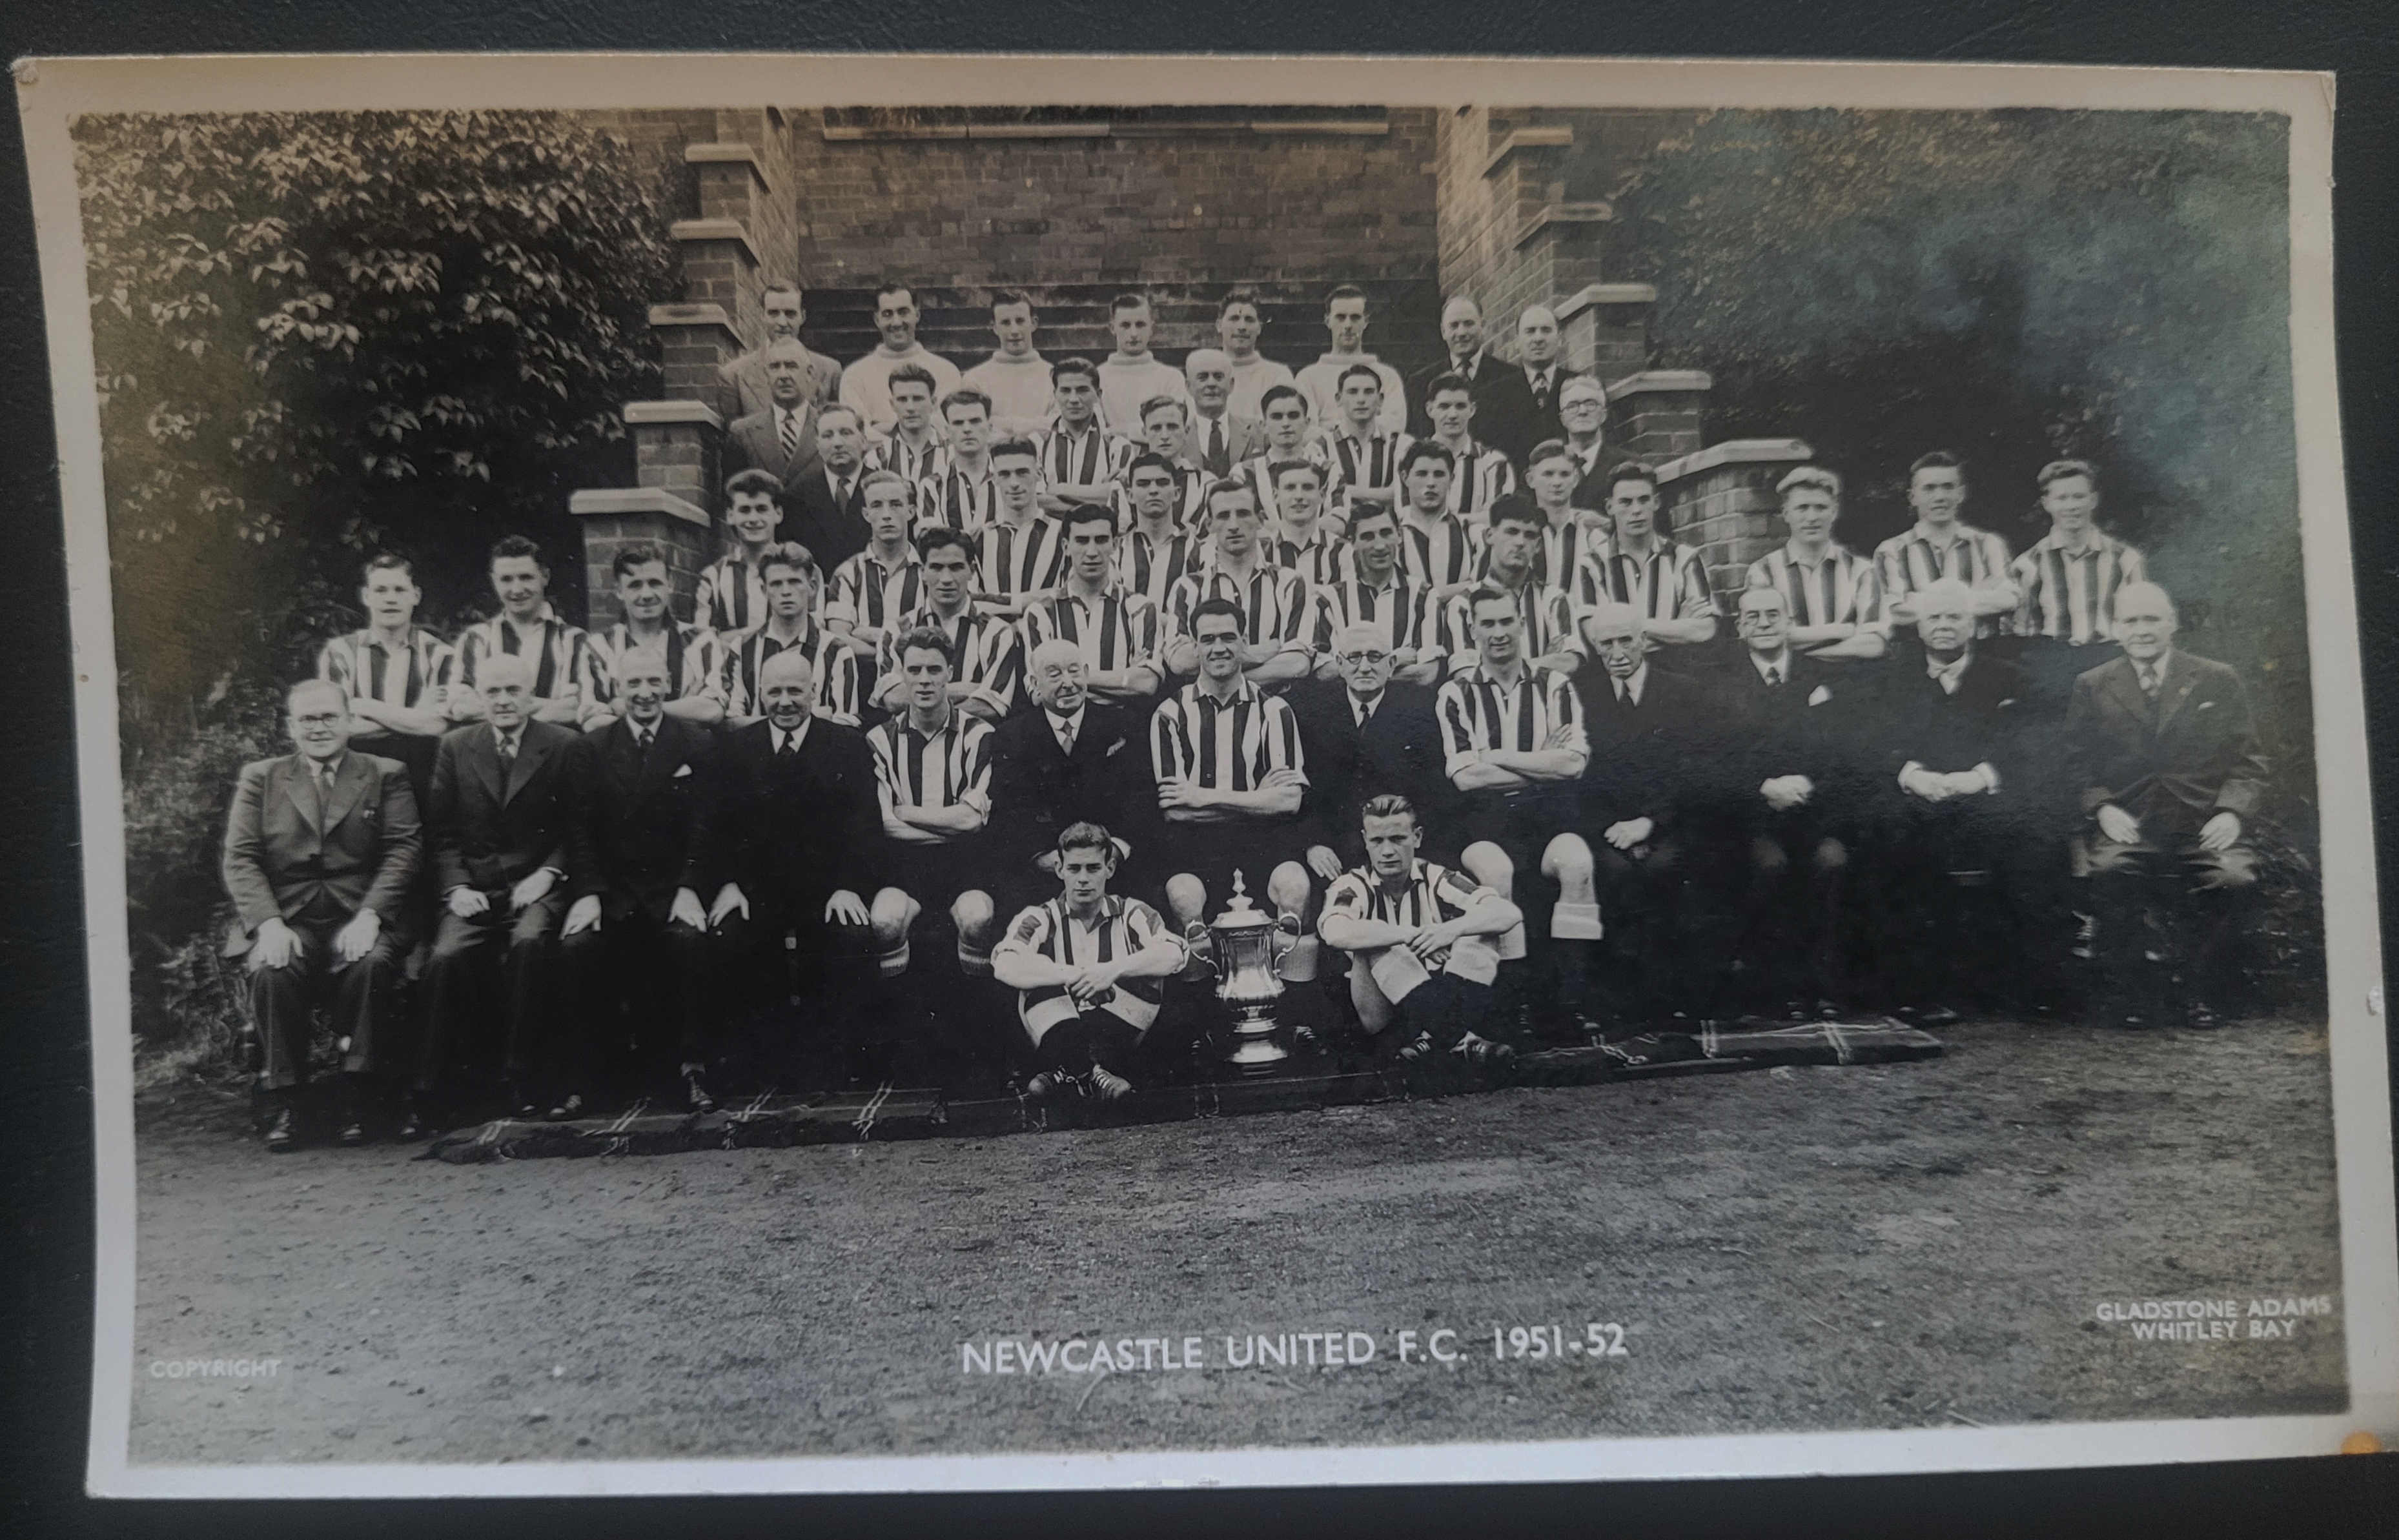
[1366, 735]
[2165, 756]
[643, 940]
[1644, 724]
[511, 825]
[781, 440]
[1073, 759]
[319, 850]
[801, 840]
[1956, 814]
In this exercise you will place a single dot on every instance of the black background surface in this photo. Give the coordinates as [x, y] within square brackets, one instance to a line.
[46, 1124]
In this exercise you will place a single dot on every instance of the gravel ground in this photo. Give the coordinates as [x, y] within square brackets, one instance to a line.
[1922, 1244]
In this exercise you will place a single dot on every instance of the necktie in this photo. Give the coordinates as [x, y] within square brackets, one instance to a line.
[1774, 675]
[1541, 392]
[1216, 446]
[841, 492]
[791, 431]
[643, 739]
[1365, 713]
[320, 777]
[790, 747]
[2151, 678]
[1066, 736]
[507, 751]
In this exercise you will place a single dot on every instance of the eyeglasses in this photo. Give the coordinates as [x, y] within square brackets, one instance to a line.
[1351, 660]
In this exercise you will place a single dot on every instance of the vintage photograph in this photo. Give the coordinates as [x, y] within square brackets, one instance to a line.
[850, 784]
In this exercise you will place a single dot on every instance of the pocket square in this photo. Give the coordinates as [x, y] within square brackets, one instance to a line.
[2207, 706]
[1113, 748]
[681, 771]
[1819, 694]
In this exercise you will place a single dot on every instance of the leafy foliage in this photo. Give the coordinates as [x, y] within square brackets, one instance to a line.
[318, 336]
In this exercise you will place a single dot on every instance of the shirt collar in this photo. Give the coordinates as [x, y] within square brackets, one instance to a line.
[1948, 673]
[1763, 661]
[1073, 722]
[1635, 684]
[797, 736]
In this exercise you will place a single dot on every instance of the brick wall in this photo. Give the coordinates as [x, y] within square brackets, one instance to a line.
[1207, 205]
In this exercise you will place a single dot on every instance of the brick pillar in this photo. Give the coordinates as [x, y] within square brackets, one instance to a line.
[614, 518]
[1722, 500]
[1657, 415]
[1606, 328]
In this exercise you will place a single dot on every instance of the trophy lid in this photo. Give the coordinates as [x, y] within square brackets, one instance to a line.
[1240, 914]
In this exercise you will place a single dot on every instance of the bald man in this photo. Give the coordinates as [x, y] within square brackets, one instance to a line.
[1073, 758]
[1523, 408]
[321, 848]
[802, 857]
[1217, 439]
[2165, 755]
[509, 813]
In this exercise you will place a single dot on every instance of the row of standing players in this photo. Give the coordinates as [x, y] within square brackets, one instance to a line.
[1498, 772]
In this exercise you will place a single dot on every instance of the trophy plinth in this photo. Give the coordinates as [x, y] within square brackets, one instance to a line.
[1247, 947]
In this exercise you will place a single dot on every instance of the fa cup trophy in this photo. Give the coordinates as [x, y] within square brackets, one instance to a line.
[1248, 946]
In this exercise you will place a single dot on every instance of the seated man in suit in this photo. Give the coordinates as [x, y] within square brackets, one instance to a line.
[643, 938]
[932, 771]
[1074, 757]
[1366, 735]
[1087, 966]
[781, 440]
[1957, 815]
[319, 851]
[1645, 723]
[802, 854]
[1422, 942]
[511, 826]
[1794, 808]
[2163, 751]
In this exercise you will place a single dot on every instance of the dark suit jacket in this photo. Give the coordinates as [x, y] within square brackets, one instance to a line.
[488, 835]
[281, 861]
[1508, 420]
[1813, 725]
[753, 444]
[654, 821]
[1481, 380]
[2174, 763]
[1645, 758]
[794, 834]
[833, 533]
[1037, 790]
[1398, 751]
[1244, 437]
[1990, 720]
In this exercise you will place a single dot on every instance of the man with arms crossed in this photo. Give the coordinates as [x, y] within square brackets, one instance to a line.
[1015, 379]
[1832, 599]
[688, 654]
[1360, 458]
[564, 671]
[2069, 578]
[1571, 533]
[865, 384]
[1301, 538]
[396, 675]
[732, 595]
[1238, 326]
[803, 851]
[1510, 552]
[747, 375]
[1087, 966]
[1640, 567]
[2165, 756]
[1158, 551]
[873, 590]
[790, 626]
[509, 817]
[1345, 318]
[1422, 942]
[1514, 745]
[989, 659]
[932, 769]
[1022, 550]
[321, 847]
[1113, 629]
[1231, 778]
[1437, 550]
[643, 938]
[1944, 546]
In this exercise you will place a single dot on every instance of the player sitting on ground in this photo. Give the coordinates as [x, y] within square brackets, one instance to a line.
[1422, 939]
[1087, 966]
